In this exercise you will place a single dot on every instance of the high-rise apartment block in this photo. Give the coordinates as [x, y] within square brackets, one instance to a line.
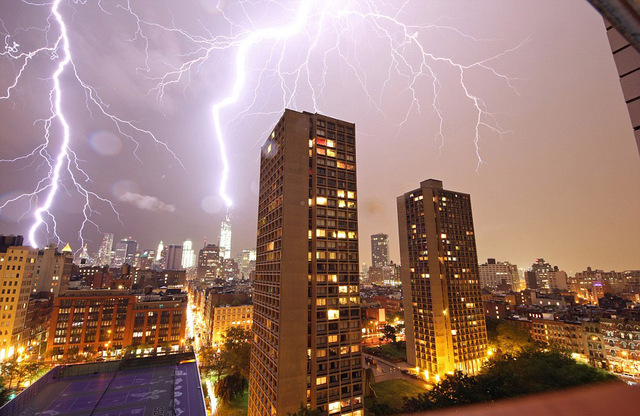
[494, 274]
[444, 317]
[307, 194]
[379, 250]
[17, 265]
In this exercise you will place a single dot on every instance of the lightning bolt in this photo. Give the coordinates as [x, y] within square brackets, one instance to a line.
[283, 57]
[409, 58]
[65, 161]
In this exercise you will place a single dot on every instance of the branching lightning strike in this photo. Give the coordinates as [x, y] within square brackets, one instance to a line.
[65, 161]
[311, 22]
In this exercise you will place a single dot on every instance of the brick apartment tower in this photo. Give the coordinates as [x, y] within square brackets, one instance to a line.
[445, 325]
[306, 325]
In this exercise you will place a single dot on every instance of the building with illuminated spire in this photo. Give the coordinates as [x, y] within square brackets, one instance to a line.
[444, 316]
[225, 238]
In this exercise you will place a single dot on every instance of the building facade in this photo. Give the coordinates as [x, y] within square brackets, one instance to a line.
[125, 252]
[219, 319]
[444, 316]
[52, 270]
[17, 267]
[496, 273]
[209, 264]
[379, 250]
[173, 257]
[101, 321]
[307, 194]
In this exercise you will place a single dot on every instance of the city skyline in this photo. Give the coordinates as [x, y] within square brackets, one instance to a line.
[539, 193]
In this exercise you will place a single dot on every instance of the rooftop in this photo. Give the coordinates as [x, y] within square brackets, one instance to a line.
[166, 385]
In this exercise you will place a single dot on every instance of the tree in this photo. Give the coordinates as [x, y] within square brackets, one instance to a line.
[207, 356]
[389, 332]
[235, 352]
[230, 387]
[525, 372]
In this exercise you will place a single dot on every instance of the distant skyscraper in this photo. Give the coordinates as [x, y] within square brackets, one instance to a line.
[247, 262]
[379, 250]
[104, 253]
[52, 270]
[306, 328]
[188, 255]
[159, 251]
[84, 258]
[173, 257]
[444, 316]
[493, 274]
[542, 270]
[225, 238]
[125, 252]
[209, 264]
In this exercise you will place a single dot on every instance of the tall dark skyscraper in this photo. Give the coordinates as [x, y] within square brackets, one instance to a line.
[444, 317]
[173, 257]
[307, 193]
[209, 264]
[379, 250]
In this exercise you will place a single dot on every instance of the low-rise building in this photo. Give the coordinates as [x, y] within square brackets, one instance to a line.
[621, 339]
[222, 318]
[560, 334]
[109, 321]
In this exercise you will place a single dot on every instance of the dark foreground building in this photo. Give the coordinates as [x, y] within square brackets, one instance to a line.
[167, 385]
[306, 325]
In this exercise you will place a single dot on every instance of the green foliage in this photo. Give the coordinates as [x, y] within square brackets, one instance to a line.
[389, 332]
[508, 337]
[394, 352]
[207, 356]
[235, 353]
[528, 371]
[389, 393]
[381, 409]
[230, 387]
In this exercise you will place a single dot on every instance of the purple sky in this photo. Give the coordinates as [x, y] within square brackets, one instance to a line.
[562, 182]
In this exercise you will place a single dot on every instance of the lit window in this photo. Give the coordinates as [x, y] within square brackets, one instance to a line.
[321, 380]
[333, 314]
[331, 153]
[334, 407]
[321, 233]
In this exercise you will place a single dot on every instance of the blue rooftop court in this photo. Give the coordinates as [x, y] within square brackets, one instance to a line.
[154, 386]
